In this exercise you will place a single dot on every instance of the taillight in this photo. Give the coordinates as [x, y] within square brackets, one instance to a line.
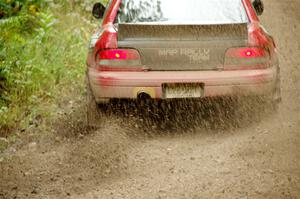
[119, 60]
[119, 54]
[246, 58]
[247, 52]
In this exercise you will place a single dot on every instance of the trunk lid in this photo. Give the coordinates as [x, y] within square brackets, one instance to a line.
[182, 47]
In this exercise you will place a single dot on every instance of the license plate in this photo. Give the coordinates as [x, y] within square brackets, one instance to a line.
[183, 91]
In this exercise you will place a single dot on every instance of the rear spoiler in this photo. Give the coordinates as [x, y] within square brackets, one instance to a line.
[183, 32]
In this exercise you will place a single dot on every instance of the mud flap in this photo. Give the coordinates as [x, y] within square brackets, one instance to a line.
[94, 115]
[276, 98]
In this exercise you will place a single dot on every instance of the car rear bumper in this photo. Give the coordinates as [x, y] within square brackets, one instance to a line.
[129, 85]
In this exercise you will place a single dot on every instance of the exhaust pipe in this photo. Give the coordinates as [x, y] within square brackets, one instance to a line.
[144, 102]
[143, 96]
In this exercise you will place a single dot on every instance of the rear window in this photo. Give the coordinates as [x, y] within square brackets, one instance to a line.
[182, 12]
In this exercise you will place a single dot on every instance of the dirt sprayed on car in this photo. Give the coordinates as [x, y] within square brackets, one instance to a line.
[208, 149]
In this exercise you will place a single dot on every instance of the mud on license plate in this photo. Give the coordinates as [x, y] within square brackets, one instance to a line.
[173, 91]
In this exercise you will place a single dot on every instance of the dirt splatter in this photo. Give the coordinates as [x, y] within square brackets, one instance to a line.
[211, 152]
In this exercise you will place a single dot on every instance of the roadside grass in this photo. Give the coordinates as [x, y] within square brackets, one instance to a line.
[42, 64]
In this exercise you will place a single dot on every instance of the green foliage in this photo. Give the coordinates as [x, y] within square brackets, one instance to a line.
[42, 56]
[10, 8]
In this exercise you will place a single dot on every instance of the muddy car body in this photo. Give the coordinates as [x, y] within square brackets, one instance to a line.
[197, 49]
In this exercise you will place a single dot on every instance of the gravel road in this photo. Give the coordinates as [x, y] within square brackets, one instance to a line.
[188, 157]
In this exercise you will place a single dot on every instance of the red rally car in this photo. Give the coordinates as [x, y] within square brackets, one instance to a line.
[172, 49]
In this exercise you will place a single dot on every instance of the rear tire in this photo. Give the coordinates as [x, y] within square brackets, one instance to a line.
[94, 115]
